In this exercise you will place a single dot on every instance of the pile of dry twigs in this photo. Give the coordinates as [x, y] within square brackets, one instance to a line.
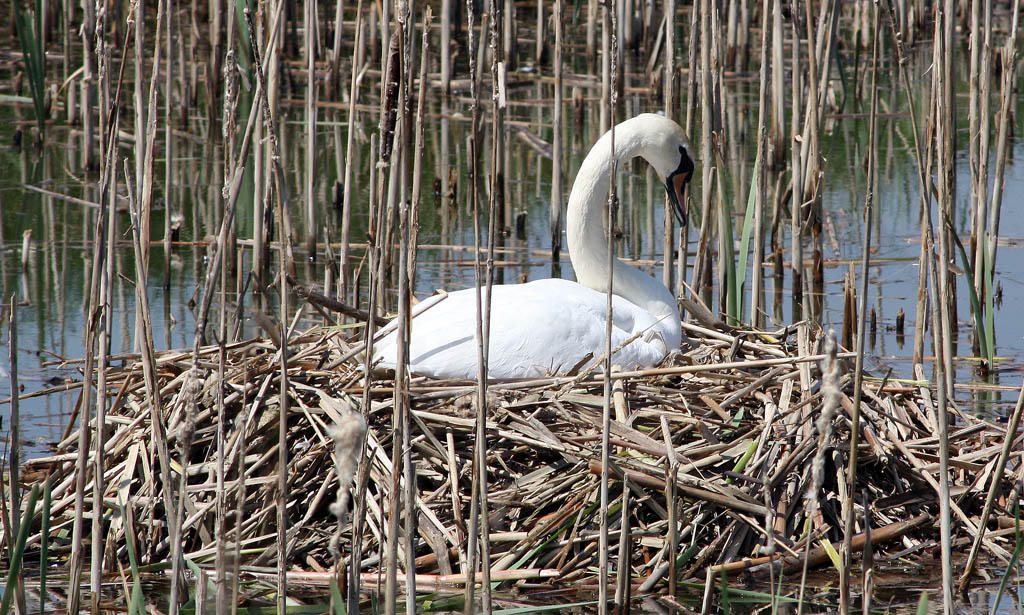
[717, 450]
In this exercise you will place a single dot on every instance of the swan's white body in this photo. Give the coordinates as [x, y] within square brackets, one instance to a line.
[549, 327]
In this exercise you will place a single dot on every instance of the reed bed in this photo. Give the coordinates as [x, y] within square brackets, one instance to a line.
[751, 452]
[721, 448]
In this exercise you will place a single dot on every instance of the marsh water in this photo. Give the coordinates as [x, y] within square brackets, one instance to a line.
[47, 271]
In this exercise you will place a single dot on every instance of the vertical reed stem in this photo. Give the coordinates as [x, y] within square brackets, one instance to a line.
[14, 459]
[796, 204]
[475, 514]
[761, 173]
[669, 96]
[556, 140]
[309, 27]
[603, 546]
[359, 511]
[858, 373]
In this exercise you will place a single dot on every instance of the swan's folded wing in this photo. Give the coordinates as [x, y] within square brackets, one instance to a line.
[541, 328]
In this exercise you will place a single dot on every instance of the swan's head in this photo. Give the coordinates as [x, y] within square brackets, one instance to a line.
[668, 150]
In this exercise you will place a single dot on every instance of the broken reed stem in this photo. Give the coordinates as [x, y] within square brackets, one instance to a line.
[417, 167]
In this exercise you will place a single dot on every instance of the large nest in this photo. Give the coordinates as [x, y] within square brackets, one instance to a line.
[741, 412]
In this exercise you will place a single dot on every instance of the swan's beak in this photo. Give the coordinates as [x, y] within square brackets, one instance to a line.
[675, 185]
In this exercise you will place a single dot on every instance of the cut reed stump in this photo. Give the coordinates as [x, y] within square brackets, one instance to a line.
[734, 419]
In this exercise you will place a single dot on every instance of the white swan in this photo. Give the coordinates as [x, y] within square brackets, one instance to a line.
[549, 327]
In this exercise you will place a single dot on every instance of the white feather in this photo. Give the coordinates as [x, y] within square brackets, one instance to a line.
[549, 327]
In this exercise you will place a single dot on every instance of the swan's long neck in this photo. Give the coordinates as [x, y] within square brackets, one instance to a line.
[587, 239]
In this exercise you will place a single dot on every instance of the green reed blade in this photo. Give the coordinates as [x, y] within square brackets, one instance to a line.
[978, 314]
[748, 228]
[18, 553]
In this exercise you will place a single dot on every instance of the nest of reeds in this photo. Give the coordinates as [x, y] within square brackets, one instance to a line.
[733, 455]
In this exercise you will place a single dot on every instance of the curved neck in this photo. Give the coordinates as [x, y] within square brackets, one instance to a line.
[587, 239]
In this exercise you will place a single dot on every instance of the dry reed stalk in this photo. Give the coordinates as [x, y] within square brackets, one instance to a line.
[309, 37]
[609, 24]
[350, 154]
[397, 213]
[88, 95]
[108, 197]
[555, 216]
[475, 515]
[810, 150]
[945, 111]
[669, 89]
[1009, 56]
[140, 108]
[591, 35]
[761, 173]
[480, 518]
[538, 54]
[400, 449]
[417, 166]
[285, 264]
[777, 128]
[942, 412]
[622, 562]
[701, 264]
[980, 114]
[858, 370]
[334, 80]
[169, 120]
[823, 428]
[446, 43]
[362, 479]
[796, 258]
[940, 276]
[606, 74]
[150, 372]
[98, 322]
[220, 500]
